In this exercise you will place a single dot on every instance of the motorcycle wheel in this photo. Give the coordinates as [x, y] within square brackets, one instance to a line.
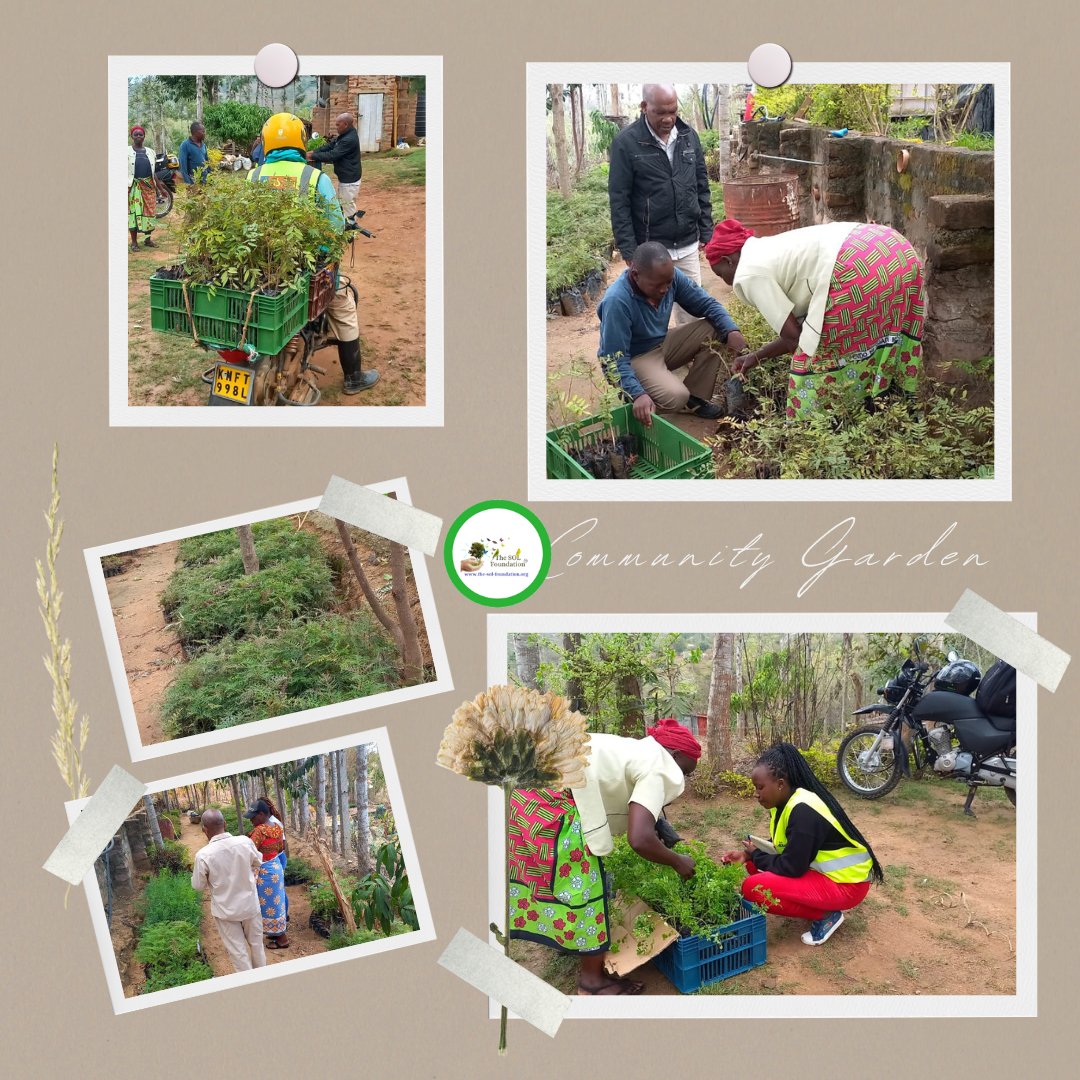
[164, 200]
[871, 780]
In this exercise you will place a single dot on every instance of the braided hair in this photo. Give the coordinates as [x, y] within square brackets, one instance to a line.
[273, 808]
[784, 761]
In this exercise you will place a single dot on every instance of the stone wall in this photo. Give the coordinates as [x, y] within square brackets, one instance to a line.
[128, 854]
[343, 91]
[943, 202]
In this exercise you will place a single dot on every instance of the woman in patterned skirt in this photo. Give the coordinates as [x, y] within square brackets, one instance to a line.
[847, 301]
[558, 896]
[269, 839]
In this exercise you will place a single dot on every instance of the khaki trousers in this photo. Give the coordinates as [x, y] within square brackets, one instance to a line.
[684, 345]
[240, 937]
[690, 265]
[346, 194]
[341, 315]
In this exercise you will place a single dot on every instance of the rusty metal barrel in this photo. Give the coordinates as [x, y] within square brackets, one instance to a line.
[767, 203]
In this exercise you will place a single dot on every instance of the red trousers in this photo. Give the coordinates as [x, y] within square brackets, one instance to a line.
[811, 896]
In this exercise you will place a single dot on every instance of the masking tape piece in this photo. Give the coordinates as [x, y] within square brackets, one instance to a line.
[508, 983]
[73, 858]
[1017, 644]
[377, 513]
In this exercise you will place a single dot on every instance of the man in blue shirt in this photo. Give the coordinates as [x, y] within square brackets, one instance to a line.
[193, 156]
[638, 350]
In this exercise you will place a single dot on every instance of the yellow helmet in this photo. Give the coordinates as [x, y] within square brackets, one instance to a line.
[283, 131]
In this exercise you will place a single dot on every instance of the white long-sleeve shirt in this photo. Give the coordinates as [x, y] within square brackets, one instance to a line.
[229, 866]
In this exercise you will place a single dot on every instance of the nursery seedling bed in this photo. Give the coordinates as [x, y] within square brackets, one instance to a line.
[690, 963]
[220, 314]
[663, 451]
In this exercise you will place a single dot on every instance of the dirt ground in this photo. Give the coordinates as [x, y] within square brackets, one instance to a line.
[389, 273]
[944, 922]
[151, 650]
[573, 335]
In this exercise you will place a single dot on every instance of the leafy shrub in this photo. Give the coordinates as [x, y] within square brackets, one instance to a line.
[166, 978]
[306, 665]
[578, 231]
[974, 140]
[298, 872]
[323, 901]
[822, 762]
[207, 607]
[710, 900]
[173, 857]
[168, 898]
[168, 944]
[737, 783]
[239, 121]
[703, 782]
[253, 236]
[384, 896]
[859, 106]
[340, 938]
[275, 540]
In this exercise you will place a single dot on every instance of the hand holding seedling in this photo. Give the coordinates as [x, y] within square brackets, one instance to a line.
[744, 856]
[684, 866]
[644, 407]
[736, 342]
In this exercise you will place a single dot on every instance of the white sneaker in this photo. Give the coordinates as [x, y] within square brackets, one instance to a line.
[822, 929]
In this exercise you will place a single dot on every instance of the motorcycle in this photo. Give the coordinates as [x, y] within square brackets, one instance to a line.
[165, 169]
[935, 720]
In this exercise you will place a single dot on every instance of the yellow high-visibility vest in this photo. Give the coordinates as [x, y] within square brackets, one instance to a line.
[298, 175]
[845, 865]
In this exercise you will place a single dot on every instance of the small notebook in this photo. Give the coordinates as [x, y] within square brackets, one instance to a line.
[763, 845]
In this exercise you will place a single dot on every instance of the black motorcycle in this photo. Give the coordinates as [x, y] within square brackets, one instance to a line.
[935, 720]
[166, 167]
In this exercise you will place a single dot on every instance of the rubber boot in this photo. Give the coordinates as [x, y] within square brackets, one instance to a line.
[355, 379]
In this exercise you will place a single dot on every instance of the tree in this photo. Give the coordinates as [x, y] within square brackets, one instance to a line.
[577, 127]
[236, 121]
[280, 792]
[198, 97]
[527, 656]
[616, 103]
[320, 796]
[363, 826]
[558, 120]
[234, 783]
[247, 549]
[155, 828]
[331, 779]
[305, 806]
[721, 687]
[571, 644]
[343, 801]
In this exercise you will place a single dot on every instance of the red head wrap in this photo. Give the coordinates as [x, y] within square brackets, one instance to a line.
[672, 736]
[727, 238]
[137, 128]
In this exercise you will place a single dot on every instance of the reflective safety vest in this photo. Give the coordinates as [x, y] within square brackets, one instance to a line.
[845, 865]
[298, 175]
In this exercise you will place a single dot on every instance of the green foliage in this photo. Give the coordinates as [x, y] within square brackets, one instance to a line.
[218, 600]
[822, 762]
[578, 231]
[911, 127]
[165, 979]
[859, 106]
[173, 857]
[168, 898]
[275, 540]
[710, 900]
[973, 140]
[316, 141]
[324, 903]
[604, 131]
[737, 783]
[253, 236]
[384, 896]
[340, 938]
[304, 666]
[710, 139]
[237, 121]
[299, 872]
[168, 944]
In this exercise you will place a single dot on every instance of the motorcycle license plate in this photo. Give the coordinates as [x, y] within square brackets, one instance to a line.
[233, 383]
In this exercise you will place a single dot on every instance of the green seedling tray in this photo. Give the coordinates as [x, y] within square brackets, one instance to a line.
[667, 452]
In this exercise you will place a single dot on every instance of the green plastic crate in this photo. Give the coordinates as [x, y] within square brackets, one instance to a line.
[666, 452]
[219, 318]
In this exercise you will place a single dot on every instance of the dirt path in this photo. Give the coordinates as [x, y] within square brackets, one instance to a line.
[303, 941]
[944, 922]
[579, 335]
[389, 273]
[150, 649]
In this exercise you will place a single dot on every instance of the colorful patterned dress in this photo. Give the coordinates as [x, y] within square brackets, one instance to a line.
[557, 891]
[872, 330]
[269, 839]
[142, 194]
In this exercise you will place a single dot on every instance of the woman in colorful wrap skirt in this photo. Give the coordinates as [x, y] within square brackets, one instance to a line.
[142, 190]
[847, 301]
[558, 895]
[269, 839]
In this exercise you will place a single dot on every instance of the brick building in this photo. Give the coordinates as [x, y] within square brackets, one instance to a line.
[386, 108]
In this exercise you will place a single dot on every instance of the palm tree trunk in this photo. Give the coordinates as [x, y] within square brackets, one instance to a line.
[320, 795]
[280, 791]
[155, 828]
[363, 826]
[718, 735]
[558, 119]
[331, 779]
[234, 782]
[343, 802]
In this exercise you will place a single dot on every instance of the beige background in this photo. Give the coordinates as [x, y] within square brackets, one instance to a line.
[400, 1015]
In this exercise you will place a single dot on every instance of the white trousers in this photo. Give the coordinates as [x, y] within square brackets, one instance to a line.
[243, 942]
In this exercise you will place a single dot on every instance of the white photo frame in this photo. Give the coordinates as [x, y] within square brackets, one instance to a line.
[380, 739]
[123, 414]
[543, 489]
[140, 751]
[794, 1006]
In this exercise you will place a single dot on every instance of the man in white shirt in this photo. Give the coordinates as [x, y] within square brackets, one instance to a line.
[228, 866]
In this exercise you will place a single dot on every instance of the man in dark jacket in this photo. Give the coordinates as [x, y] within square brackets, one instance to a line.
[658, 187]
[343, 153]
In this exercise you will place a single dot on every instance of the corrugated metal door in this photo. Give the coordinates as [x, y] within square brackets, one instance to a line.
[369, 121]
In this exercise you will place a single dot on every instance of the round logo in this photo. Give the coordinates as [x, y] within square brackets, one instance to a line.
[497, 553]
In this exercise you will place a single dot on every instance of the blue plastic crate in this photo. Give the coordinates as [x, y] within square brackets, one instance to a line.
[693, 962]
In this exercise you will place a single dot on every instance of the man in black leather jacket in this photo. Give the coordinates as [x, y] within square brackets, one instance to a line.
[343, 152]
[658, 187]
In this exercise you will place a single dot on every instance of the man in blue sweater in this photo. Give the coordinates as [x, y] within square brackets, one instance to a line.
[193, 167]
[639, 352]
